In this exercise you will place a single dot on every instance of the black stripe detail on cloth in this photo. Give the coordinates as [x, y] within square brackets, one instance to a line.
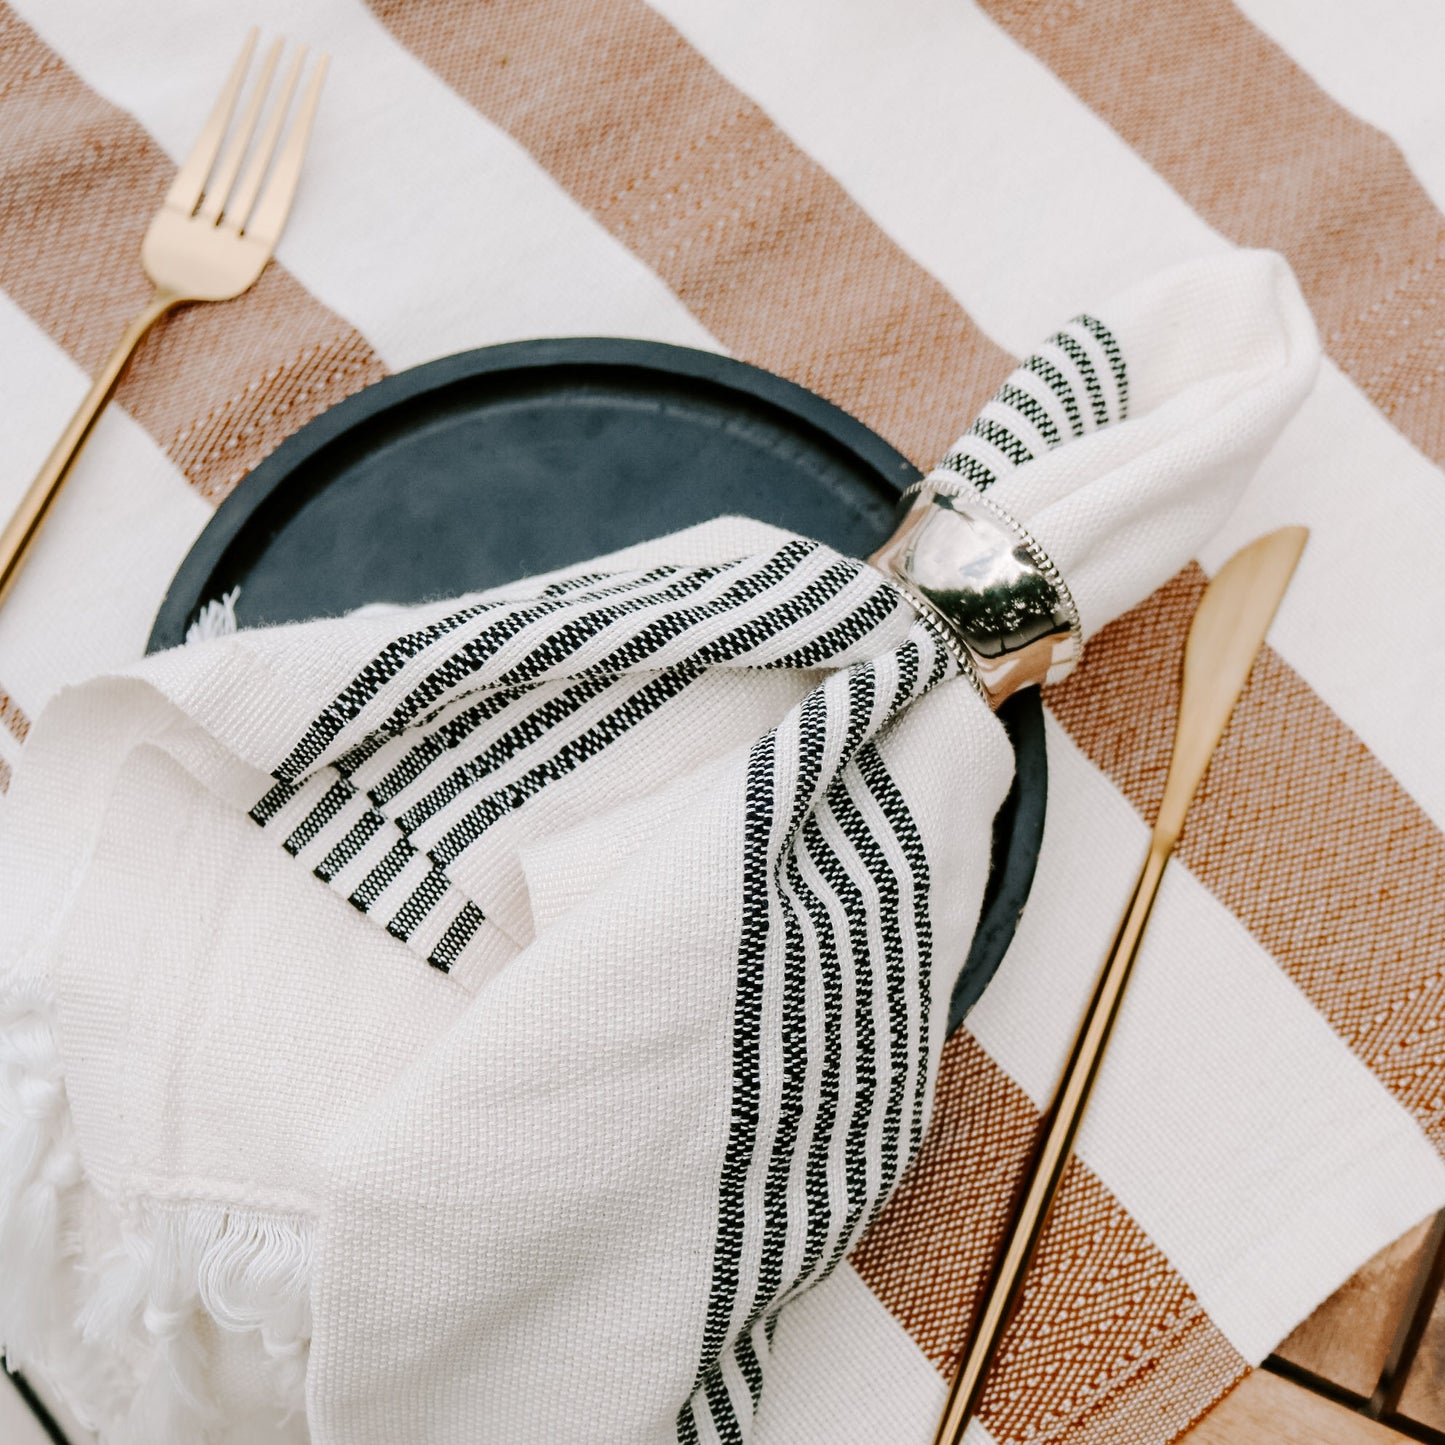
[970, 469]
[1027, 406]
[367, 683]
[459, 933]
[1115, 355]
[905, 830]
[874, 611]
[336, 797]
[528, 730]
[642, 647]
[383, 875]
[720, 1407]
[495, 806]
[866, 889]
[608, 671]
[271, 803]
[687, 1426]
[810, 933]
[454, 732]
[329, 816]
[547, 657]
[998, 435]
[812, 739]
[355, 839]
[1057, 383]
[601, 675]
[847, 899]
[751, 1365]
[1079, 355]
[346, 706]
[865, 1051]
[858, 832]
[424, 897]
[746, 1048]
[992, 446]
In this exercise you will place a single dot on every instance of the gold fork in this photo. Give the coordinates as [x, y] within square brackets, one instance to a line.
[210, 240]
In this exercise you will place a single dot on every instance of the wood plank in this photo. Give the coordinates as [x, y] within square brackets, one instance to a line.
[1423, 1398]
[1348, 1339]
[1264, 1409]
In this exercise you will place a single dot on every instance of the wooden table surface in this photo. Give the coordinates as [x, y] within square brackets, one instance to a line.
[1367, 1368]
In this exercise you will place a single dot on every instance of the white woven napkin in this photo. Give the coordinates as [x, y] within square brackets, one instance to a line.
[475, 1022]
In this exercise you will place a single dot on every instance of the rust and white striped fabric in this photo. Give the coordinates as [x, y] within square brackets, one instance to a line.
[887, 203]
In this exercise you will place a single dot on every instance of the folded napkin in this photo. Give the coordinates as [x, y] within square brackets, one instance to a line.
[475, 1022]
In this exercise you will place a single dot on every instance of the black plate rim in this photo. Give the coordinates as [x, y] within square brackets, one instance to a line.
[1018, 828]
[394, 392]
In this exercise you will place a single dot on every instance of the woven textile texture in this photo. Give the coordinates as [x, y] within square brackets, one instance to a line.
[889, 204]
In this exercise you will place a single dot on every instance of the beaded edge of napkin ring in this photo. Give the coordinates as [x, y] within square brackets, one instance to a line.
[970, 567]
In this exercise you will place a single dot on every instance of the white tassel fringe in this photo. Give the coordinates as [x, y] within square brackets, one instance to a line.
[216, 619]
[124, 1341]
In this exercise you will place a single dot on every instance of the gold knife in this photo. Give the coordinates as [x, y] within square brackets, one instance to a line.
[1225, 637]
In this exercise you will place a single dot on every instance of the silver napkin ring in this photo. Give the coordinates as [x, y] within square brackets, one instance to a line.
[965, 563]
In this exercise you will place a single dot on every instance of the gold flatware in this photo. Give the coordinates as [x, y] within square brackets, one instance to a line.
[210, 240]
[1225, 636]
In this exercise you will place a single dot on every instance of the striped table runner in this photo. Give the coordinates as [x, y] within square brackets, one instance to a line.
[887, 203]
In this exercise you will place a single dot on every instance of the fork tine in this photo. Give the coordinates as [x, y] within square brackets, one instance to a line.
[238, 208]
[185, 191]
[219, 186]
[275, 203]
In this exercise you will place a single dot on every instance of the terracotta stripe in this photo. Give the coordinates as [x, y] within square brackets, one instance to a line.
[13, 718]
[1270, 159]
[1103, 1313]
[4, 776]
[772, 256]
[761, 243]
[606, 94]
[216, 386]
[688, 174]
[1298, 830]
[1184, 1379]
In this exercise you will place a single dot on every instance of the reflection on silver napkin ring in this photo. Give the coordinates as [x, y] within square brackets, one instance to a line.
[973, 568]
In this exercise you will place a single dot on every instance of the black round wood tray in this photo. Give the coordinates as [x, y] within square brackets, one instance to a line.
[487, 466]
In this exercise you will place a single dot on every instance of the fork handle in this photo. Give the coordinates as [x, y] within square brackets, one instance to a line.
[23, 527]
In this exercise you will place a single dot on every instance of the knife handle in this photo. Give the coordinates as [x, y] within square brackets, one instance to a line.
[1060, 1127]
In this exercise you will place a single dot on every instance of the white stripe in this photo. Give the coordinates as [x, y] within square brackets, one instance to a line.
[290, 815]
[349, 876]
[875, 1002]
[424, 225]
[398, 892]
[1025, 230]
[101, 565]
[785, 774]
[1016, 424]
[1237, 1127]
[332, 832]
[847, 1081]
[437, 653]
[906, 921]
[1383, 61]
[829, 915]
[843, 1371]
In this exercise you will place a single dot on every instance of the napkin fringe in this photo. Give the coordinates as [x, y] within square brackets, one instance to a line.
[124, 1343]
[216, 619]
